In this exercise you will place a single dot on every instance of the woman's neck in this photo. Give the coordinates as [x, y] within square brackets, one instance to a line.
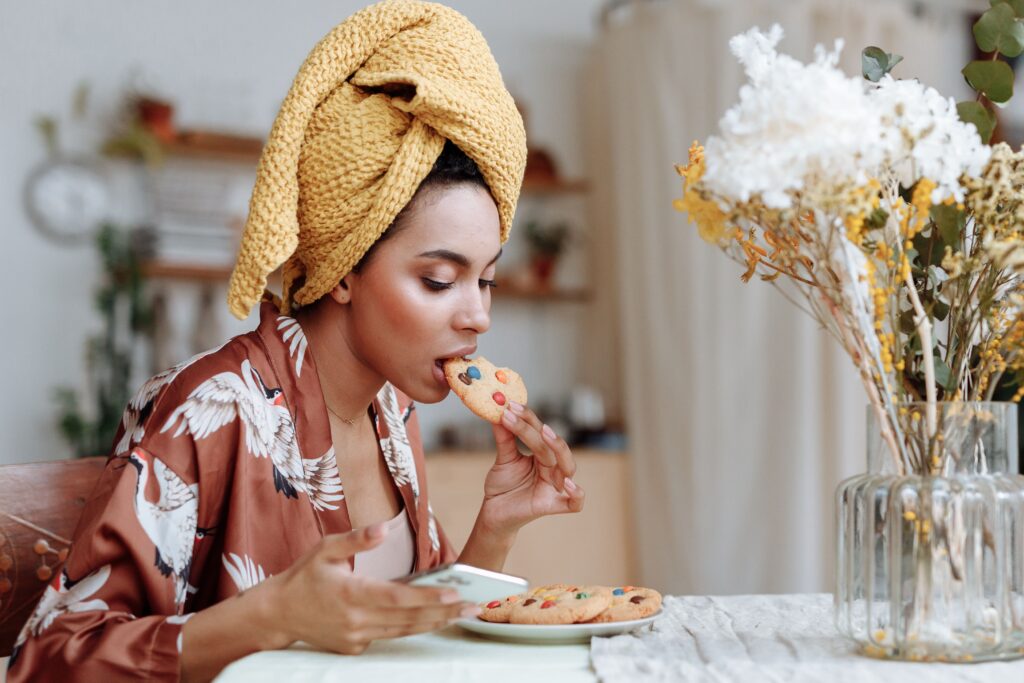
[348, 385]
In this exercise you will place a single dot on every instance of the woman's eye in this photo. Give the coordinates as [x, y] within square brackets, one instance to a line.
[488, 283]
[436, 285]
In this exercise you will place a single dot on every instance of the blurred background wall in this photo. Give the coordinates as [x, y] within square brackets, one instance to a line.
[712, 421]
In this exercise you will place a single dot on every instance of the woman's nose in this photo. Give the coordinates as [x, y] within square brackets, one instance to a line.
[475, 312]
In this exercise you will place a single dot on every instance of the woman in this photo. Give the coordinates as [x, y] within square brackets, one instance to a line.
[266, 492]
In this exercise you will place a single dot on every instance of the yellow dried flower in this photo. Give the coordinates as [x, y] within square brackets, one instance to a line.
[709, 217]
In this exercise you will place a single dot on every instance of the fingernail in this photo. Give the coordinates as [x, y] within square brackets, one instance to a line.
[450, 597]
[508, 418]
[570, 485]
[470, 611]
[516, 408]
[549, 432]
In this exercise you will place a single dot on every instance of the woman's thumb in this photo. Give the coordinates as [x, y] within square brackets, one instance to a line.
[344, 546]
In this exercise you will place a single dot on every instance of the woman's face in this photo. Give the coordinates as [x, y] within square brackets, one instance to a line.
[425, 294]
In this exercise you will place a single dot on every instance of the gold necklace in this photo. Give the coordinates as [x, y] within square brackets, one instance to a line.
[348, 421]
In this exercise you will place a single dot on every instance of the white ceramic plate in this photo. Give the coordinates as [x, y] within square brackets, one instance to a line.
[556, 635]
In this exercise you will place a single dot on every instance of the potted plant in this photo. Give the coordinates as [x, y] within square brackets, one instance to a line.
[545, 242]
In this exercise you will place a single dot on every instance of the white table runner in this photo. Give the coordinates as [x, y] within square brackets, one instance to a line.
[750, 638]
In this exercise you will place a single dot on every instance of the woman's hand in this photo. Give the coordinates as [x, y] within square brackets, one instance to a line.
[318, 600]
[520, 488]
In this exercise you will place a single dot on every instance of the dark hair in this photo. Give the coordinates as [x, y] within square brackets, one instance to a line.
[453, 167]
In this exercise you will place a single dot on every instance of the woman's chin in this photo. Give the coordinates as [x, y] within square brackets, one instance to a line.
[429, 392]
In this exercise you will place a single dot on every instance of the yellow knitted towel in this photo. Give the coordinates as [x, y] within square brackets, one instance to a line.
[361, 126]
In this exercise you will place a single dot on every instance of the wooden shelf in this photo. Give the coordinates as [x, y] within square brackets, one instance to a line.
[215, 146]
[185, 271]
[198, 144]
[208, 273]
[553, 186]
[507, 290]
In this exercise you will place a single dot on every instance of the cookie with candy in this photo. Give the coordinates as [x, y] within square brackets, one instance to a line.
[630, 602]
[498, 611]
[483, 387]
[562, 607]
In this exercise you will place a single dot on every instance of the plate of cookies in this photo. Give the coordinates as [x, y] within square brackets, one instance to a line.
[564, 613]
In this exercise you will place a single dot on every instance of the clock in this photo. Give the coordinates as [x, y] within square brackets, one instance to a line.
[67, 199]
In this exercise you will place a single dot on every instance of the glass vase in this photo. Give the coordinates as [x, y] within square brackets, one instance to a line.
[930, 541]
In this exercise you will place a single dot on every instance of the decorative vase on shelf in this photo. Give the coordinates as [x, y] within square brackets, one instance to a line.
[930, 541]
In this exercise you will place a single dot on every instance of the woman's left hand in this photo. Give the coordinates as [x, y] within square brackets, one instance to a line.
[520, 488]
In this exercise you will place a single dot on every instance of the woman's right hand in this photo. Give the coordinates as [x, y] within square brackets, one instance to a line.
[320, 601]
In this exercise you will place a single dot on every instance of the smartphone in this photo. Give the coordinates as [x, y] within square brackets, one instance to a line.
[472, 583]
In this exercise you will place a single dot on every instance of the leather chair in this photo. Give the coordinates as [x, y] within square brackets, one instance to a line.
[40, 504]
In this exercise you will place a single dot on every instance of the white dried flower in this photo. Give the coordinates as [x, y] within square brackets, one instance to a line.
[924, 137]
[794, 123]
[800, 126]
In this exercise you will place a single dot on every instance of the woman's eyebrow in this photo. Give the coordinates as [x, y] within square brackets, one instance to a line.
[455, 257]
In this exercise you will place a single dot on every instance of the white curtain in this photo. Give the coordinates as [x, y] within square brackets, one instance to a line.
[742, 415]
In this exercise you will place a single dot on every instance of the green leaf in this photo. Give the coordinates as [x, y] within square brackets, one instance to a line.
[928, 249]
[876, 62]
[876, 219]
[936, 276]
[940, 310]
[1017, 5]
[993, 78]
[982, 118]
[47, 127]
[998, 29]
[907, 323]
[950, 222]
[943, 375]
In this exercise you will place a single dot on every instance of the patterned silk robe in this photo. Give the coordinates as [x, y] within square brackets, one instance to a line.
[222, 474]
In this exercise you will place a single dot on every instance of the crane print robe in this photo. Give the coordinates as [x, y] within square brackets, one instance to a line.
[223, 473]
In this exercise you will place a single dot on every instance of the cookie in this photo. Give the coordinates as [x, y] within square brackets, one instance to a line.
[565, 607]
[498, 611]
[628, 603]
[484, 388]
[552, 588]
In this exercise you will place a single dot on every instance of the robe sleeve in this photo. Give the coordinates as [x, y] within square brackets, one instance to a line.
[114, 612]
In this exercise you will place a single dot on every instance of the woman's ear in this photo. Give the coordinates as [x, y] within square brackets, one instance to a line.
[341, 292]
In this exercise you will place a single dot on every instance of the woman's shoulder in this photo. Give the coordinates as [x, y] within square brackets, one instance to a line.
[192, 391]
[187, 376]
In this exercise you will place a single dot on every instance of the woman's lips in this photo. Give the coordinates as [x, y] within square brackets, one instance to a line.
[439, 373]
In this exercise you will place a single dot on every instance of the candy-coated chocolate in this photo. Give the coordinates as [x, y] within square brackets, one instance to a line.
[501, 376]
[547, 603]
[580, 596]
[618, 591]
[473, 372]
[636, 599]
[464, 378]
[529, 602]
[493, 604]
[499, 398]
